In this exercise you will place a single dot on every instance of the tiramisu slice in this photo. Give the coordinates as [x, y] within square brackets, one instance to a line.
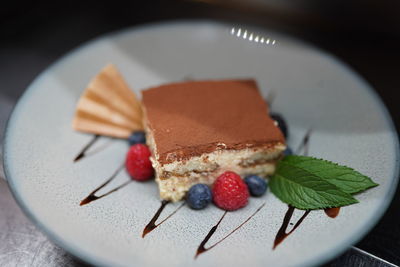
[198, 130]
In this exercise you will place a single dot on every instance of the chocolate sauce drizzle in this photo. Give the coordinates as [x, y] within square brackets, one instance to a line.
[86, 147]
[332, 212]
[201, 249]
[152, 224]
[86, 153]
[305, 144]
[282, 234]
[270, 98]
[92, 196]
[187, 78]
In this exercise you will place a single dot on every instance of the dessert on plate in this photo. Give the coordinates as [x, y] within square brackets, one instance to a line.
[211, 141]
[202, 132]
[197, 130]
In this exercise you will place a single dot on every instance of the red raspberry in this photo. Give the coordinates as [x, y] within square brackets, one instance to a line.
[138, 162]
[230, 192]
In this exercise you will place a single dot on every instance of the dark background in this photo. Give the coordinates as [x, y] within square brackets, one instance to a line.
[363, 33]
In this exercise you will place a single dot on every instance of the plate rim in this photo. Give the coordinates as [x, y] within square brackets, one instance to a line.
[86, 257]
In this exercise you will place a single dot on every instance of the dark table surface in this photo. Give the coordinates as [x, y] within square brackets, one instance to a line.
[364, 34]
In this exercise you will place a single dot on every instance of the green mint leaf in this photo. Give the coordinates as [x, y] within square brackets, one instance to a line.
[345, 178]
[304, 190]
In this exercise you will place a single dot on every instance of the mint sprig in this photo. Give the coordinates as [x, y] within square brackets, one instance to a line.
[311, 183]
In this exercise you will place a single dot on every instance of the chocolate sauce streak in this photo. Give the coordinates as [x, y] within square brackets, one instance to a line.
[86, 147]
[152, 224]
[332, 212]
[282, 234]
[201, 249]
[92, 196]
[304, 145]
[188, 78]
[270, 98]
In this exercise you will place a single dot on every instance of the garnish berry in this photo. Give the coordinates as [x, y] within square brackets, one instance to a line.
[257, 185]
[138, 163]
[281, 123]
[288, 151]
[230, 192]
[137, 137]
[199, 196]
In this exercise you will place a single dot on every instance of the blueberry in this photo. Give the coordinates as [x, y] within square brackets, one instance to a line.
[281, 123]
[199, 196]
[137, 137]
[288, 151]
[257, 185]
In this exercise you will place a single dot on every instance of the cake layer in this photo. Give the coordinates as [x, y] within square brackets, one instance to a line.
[175, 179]
[192, 118]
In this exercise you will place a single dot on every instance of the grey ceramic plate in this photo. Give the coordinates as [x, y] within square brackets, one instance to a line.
[313, 90]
